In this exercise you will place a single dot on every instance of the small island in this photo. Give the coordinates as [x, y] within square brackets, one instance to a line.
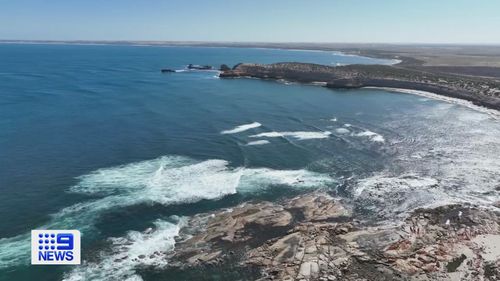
[478, 90]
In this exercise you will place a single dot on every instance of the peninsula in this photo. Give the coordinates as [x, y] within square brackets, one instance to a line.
[482, 91]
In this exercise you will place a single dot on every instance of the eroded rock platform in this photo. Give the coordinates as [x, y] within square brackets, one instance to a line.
[315, 237]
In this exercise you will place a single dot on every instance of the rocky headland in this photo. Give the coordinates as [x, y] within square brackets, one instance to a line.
[316, 237]
[478, 90]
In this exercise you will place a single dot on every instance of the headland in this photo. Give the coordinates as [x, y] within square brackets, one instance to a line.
[478, 90]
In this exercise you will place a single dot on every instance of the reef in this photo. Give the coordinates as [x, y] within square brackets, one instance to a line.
[317, 237]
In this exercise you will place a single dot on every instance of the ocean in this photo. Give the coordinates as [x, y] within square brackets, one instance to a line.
[95, 138]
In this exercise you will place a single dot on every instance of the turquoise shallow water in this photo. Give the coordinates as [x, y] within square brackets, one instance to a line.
[96, 138]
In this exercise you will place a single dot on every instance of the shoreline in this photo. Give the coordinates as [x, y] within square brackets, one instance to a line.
[389, 60]
[494, 113]
[317, 237]
[468, 59]
[477, 91]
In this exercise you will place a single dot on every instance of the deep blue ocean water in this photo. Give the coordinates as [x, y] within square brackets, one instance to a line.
[95, 138]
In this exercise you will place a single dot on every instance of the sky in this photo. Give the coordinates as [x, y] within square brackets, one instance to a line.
[356, 21]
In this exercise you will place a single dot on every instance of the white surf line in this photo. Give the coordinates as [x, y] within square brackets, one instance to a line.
[342, 131]
[258, 142]
[242, 128]
[389, 61]
[371, 135]
[300, 135]
[492, 112]
[127, 253]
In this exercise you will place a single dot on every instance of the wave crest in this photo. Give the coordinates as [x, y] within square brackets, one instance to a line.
[299, 135]
[242, 128]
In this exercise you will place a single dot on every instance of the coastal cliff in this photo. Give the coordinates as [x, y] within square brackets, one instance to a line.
[480, 91]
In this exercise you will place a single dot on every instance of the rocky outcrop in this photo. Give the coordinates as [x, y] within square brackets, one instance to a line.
[249, 224]
[224, 67]
[199, 67]
[314, 237]
[480, 91]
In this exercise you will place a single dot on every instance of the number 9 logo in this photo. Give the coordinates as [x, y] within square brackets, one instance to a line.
[65, 241]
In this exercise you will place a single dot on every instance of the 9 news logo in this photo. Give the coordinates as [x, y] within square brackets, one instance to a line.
[55, 247]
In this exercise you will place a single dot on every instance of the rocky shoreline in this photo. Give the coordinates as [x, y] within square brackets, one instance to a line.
[316, 237]
[480, 91]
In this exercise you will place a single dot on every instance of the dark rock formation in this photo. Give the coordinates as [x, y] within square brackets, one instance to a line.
[480, 91]
[224, 67]
[167, 70]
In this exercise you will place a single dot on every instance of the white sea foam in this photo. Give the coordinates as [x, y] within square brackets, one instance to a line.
[242, 128]
[371, 135]
[165, 180]
[300, 135]
[15, 250]
[334, 119]
[438, 163]
[342, 131]
[168, 180]
[347, 125]
[135, 249]
[390, 195]
[258, 142]
[453, 146]
[381, 184]
[255, 180]
[393, 196]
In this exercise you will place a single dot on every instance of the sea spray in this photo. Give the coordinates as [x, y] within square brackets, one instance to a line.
[166, 180]
[135, 249]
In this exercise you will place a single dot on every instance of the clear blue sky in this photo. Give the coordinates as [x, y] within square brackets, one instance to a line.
[403, 21]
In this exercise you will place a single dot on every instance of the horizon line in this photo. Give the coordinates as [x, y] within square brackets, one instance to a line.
[152, 42]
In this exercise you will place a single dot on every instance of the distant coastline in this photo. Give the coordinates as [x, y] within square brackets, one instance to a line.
[479, 91]
[457, 59]
[194, 44]
[406, 60]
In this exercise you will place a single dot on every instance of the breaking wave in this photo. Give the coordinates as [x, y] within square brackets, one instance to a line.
[299, 135]
[258, 142]
[437, 163]
[388, 195]
[371, 135]
[165, 180]
[242, 128]
[135, 249]
[394, 196]
[342, 131]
